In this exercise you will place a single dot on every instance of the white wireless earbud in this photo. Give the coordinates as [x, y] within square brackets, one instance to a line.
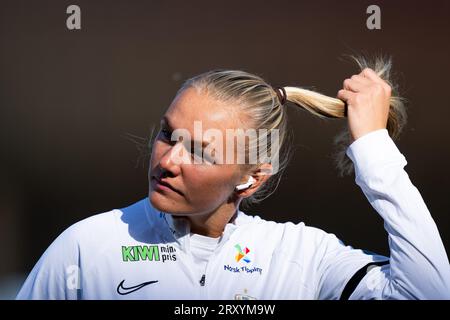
[247, 185]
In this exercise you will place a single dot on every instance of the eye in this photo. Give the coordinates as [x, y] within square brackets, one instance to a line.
[166, 134]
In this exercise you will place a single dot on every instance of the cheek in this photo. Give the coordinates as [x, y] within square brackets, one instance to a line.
[208, 182]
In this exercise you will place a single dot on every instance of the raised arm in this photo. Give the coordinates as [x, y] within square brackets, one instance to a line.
[418, 266]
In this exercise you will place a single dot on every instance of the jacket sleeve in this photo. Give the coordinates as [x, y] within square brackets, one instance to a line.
[418, 265]
[56, 276]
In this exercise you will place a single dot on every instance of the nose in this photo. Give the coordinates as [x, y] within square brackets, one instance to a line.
[172, 158]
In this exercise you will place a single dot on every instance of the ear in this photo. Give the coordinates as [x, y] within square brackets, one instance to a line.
[260, 174]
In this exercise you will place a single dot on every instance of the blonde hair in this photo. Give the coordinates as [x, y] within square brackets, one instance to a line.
[261, 108]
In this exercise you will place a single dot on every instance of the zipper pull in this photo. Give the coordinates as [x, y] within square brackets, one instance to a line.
[202, 281]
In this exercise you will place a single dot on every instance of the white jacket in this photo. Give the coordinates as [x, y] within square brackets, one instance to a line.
[140, 253]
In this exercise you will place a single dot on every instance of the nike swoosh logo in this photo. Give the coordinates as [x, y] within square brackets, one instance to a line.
[124, 290]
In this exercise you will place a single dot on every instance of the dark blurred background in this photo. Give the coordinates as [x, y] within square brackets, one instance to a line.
[70, 98]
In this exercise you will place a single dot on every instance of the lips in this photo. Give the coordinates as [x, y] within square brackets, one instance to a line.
[165, 183]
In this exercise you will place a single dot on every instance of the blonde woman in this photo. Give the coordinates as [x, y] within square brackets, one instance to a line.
[189, 239]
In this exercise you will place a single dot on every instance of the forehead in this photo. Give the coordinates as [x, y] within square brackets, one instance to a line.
[193, 105]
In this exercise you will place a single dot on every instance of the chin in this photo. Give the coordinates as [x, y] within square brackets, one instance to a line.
[162, 203]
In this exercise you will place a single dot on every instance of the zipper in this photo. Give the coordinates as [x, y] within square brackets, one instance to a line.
[202, 280]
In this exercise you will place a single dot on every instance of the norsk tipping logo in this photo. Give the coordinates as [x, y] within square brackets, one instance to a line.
[241, 254]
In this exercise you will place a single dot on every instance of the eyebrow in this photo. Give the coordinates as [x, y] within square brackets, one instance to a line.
[167, 122]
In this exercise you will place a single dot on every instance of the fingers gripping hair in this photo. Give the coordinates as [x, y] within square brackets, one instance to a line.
[328, 107]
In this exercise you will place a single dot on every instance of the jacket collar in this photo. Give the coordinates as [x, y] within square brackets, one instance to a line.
[178, 229]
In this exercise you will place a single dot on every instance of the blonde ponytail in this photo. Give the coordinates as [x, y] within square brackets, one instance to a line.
[328, 107]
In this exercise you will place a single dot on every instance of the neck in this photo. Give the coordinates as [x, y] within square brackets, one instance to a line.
[213, 224]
